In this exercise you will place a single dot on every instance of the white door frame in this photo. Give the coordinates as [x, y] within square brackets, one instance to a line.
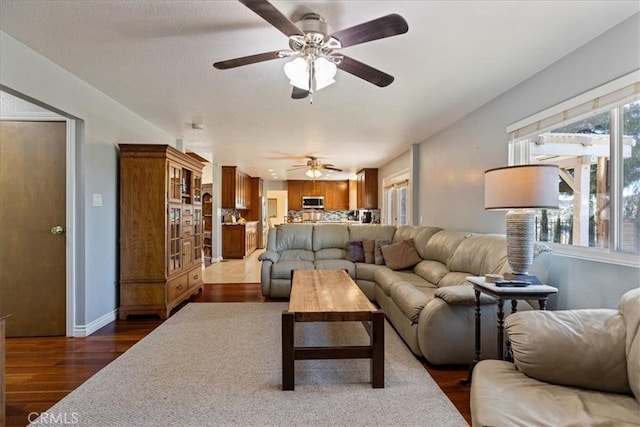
[70, 225]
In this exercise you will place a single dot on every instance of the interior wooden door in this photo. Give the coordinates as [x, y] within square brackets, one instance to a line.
[32, 227]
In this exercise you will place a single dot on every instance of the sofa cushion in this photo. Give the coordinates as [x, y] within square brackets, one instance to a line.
[369, 247]
[400, 255]
[367, 271]
[282, 269]
[293, 236]
[629, 308]
[355, 251]
[297, 255]
[480, 254]
[330, 236]
[330, 253]
[409, 299]
[373, 232]
[502, 396]
[432, 271]
[453, 278]
[580, 348]
[442, 245]
[417, 281]
[420, 236]
[386, 278]
[337, 264]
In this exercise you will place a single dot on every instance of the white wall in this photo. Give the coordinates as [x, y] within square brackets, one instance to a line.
[104, 123]
[452, 163]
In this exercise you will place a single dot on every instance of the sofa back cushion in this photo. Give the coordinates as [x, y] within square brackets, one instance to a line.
[420, 236]
[480, 254]
[330, 236]
[432, 271]
[293, 236]
[442, 245]
[578, 348]
[372, 232]
[630, 311]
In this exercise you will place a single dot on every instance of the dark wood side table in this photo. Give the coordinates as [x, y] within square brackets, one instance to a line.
[480, 285]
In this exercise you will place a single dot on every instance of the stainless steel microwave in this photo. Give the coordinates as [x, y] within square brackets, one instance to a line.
[312, 202]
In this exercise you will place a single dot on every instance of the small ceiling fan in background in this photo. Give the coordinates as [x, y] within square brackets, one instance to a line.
[313, 166]
[316, 62]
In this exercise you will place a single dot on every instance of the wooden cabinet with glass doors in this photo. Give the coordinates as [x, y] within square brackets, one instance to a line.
[161, 233]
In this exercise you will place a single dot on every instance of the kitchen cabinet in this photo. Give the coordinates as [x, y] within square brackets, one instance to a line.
[367, 181]
[161, 232]
[239, 240]
[236, 188]
[335, 193]
[257, 212]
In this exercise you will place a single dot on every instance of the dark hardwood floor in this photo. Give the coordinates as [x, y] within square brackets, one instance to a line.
[41, 371]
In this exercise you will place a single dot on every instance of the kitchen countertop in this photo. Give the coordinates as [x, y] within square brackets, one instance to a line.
[239, 223]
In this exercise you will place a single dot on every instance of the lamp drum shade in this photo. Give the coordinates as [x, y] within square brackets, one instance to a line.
[521, 187]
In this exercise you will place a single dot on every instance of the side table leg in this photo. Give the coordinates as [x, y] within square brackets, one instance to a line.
[467, 381]
[377, 344]
[288, 354]
[509, 354]
[500, 329]
[543, 303]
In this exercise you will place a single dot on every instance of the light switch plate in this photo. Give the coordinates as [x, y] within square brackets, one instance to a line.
[97, 199]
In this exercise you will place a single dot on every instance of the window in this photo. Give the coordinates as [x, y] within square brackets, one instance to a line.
[595, 141]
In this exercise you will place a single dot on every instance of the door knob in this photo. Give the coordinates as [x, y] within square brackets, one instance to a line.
[58, 229]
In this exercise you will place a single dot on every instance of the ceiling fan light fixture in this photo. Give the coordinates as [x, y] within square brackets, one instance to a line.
[297, 71]
[313, 173]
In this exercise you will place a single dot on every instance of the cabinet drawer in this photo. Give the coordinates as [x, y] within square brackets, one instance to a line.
[187, 231]
[195, 277]
[177, 287]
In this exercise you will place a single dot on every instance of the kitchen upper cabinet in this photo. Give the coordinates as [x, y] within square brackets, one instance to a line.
[367, 180]
[294, 195]
[236, 188]
[336, 195]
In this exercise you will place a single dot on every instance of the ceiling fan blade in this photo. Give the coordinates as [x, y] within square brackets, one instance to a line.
[365, 72]
[386, 26]
[246, 60]
[331, 168]
[273, 16]
[298, 93]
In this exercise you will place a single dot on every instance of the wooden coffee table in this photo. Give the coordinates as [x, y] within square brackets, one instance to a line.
[330, 296]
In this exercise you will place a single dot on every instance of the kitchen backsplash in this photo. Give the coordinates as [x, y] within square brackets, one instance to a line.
[295, 216]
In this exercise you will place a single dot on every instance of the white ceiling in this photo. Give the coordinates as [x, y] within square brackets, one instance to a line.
[155, 57]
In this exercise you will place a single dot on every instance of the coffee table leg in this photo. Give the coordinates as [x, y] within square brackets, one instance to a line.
[377, 344]
[288, 355]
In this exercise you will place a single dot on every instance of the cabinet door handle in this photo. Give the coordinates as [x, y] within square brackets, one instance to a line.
[58, 229]
[179, 287]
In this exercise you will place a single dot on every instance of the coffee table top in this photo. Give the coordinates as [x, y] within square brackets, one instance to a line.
[327, 295]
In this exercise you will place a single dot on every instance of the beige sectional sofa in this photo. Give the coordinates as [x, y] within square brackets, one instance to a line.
[571, 368]
[431, 305]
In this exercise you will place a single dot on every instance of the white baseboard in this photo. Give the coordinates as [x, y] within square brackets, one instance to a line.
[86, 330]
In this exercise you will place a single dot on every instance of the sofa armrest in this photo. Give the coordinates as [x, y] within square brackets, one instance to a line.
[462, 295]
[269, 256]
[579, 348]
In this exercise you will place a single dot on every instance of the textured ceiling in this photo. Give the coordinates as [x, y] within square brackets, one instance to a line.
[155, 57]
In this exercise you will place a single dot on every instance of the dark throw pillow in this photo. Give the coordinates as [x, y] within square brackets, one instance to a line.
[355, 251]
[401, 255]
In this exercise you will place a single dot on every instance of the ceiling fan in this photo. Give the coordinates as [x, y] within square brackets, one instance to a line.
[314, 165]
[316, 61]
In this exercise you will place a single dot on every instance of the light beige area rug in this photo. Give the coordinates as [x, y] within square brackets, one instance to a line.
[216, 364]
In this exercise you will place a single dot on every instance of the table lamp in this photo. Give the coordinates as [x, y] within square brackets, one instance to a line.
[521, 190]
